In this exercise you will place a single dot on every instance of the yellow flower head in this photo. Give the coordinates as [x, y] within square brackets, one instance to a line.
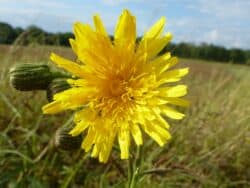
[119, 87]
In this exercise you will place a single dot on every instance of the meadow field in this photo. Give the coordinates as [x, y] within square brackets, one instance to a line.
[210, 147]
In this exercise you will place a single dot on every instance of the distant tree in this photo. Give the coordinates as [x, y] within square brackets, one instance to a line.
[18, 31]
[208, 52]
[64, 38]
[34, 35]
[7, 33]
[212, 52]
[247, 53]
[238, 56]
[183, 50]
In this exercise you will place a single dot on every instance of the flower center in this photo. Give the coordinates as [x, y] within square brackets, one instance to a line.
[117, 87]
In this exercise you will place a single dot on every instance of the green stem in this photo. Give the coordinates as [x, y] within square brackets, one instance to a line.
[133, 168]
[130, 172]
[134, 177]
[59, 74]
[72, 174]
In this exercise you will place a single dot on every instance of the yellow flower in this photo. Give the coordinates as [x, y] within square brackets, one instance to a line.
[119, 87]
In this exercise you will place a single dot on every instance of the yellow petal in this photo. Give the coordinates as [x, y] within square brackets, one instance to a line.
[124, 142]
[170, 112]
[156, 101]
[159, 134]
[125, 32]
[175, 91]
[68, 65]
[164, 62]
[79, 128]
[73, 45]
[96, 150]
[78, 82]
[155, 46]
[70, 94]
[85, 37]
[78, 31]
[178, 101]
[89, 139]
[160, 121]
[83, 32]
[96, 60]
[85, 115]
[162, 58]
[74, 97]
[106, 148]
[99, 142]
[172, 76]
[99, 26]
[156, 30]
[53, 108]
[152, 41]
[136, 133]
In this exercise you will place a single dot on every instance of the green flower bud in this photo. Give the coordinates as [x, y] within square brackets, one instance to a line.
[65, 141]
[56, 86]
[30, 76]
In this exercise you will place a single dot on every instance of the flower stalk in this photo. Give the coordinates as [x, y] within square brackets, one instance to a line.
[134, 168]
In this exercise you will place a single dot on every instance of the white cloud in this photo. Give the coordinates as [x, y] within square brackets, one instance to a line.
[212, 35]
[215, 21]
[116, 2]
[48, 21]
[202, 29]
[225, 10]
[38, 3]
[219, 22]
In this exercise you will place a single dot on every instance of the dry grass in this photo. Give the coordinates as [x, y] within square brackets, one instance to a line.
[210, 147]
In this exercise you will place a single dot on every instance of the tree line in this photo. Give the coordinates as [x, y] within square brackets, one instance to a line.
[36, 35]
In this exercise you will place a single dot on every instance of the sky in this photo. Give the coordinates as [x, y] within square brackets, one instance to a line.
[220, 22]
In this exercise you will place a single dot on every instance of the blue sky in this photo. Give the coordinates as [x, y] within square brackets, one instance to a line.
[221, 22]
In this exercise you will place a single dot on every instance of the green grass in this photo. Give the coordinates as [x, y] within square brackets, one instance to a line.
[209, 148]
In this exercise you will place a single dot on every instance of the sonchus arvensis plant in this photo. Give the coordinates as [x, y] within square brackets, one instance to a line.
[119, 88]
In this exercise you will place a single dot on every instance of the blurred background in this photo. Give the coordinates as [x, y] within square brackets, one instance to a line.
[209, 148]
[212, 25]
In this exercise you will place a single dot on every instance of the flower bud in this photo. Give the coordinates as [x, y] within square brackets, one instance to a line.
[65, 141]
[30, 76]
[56, 86]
